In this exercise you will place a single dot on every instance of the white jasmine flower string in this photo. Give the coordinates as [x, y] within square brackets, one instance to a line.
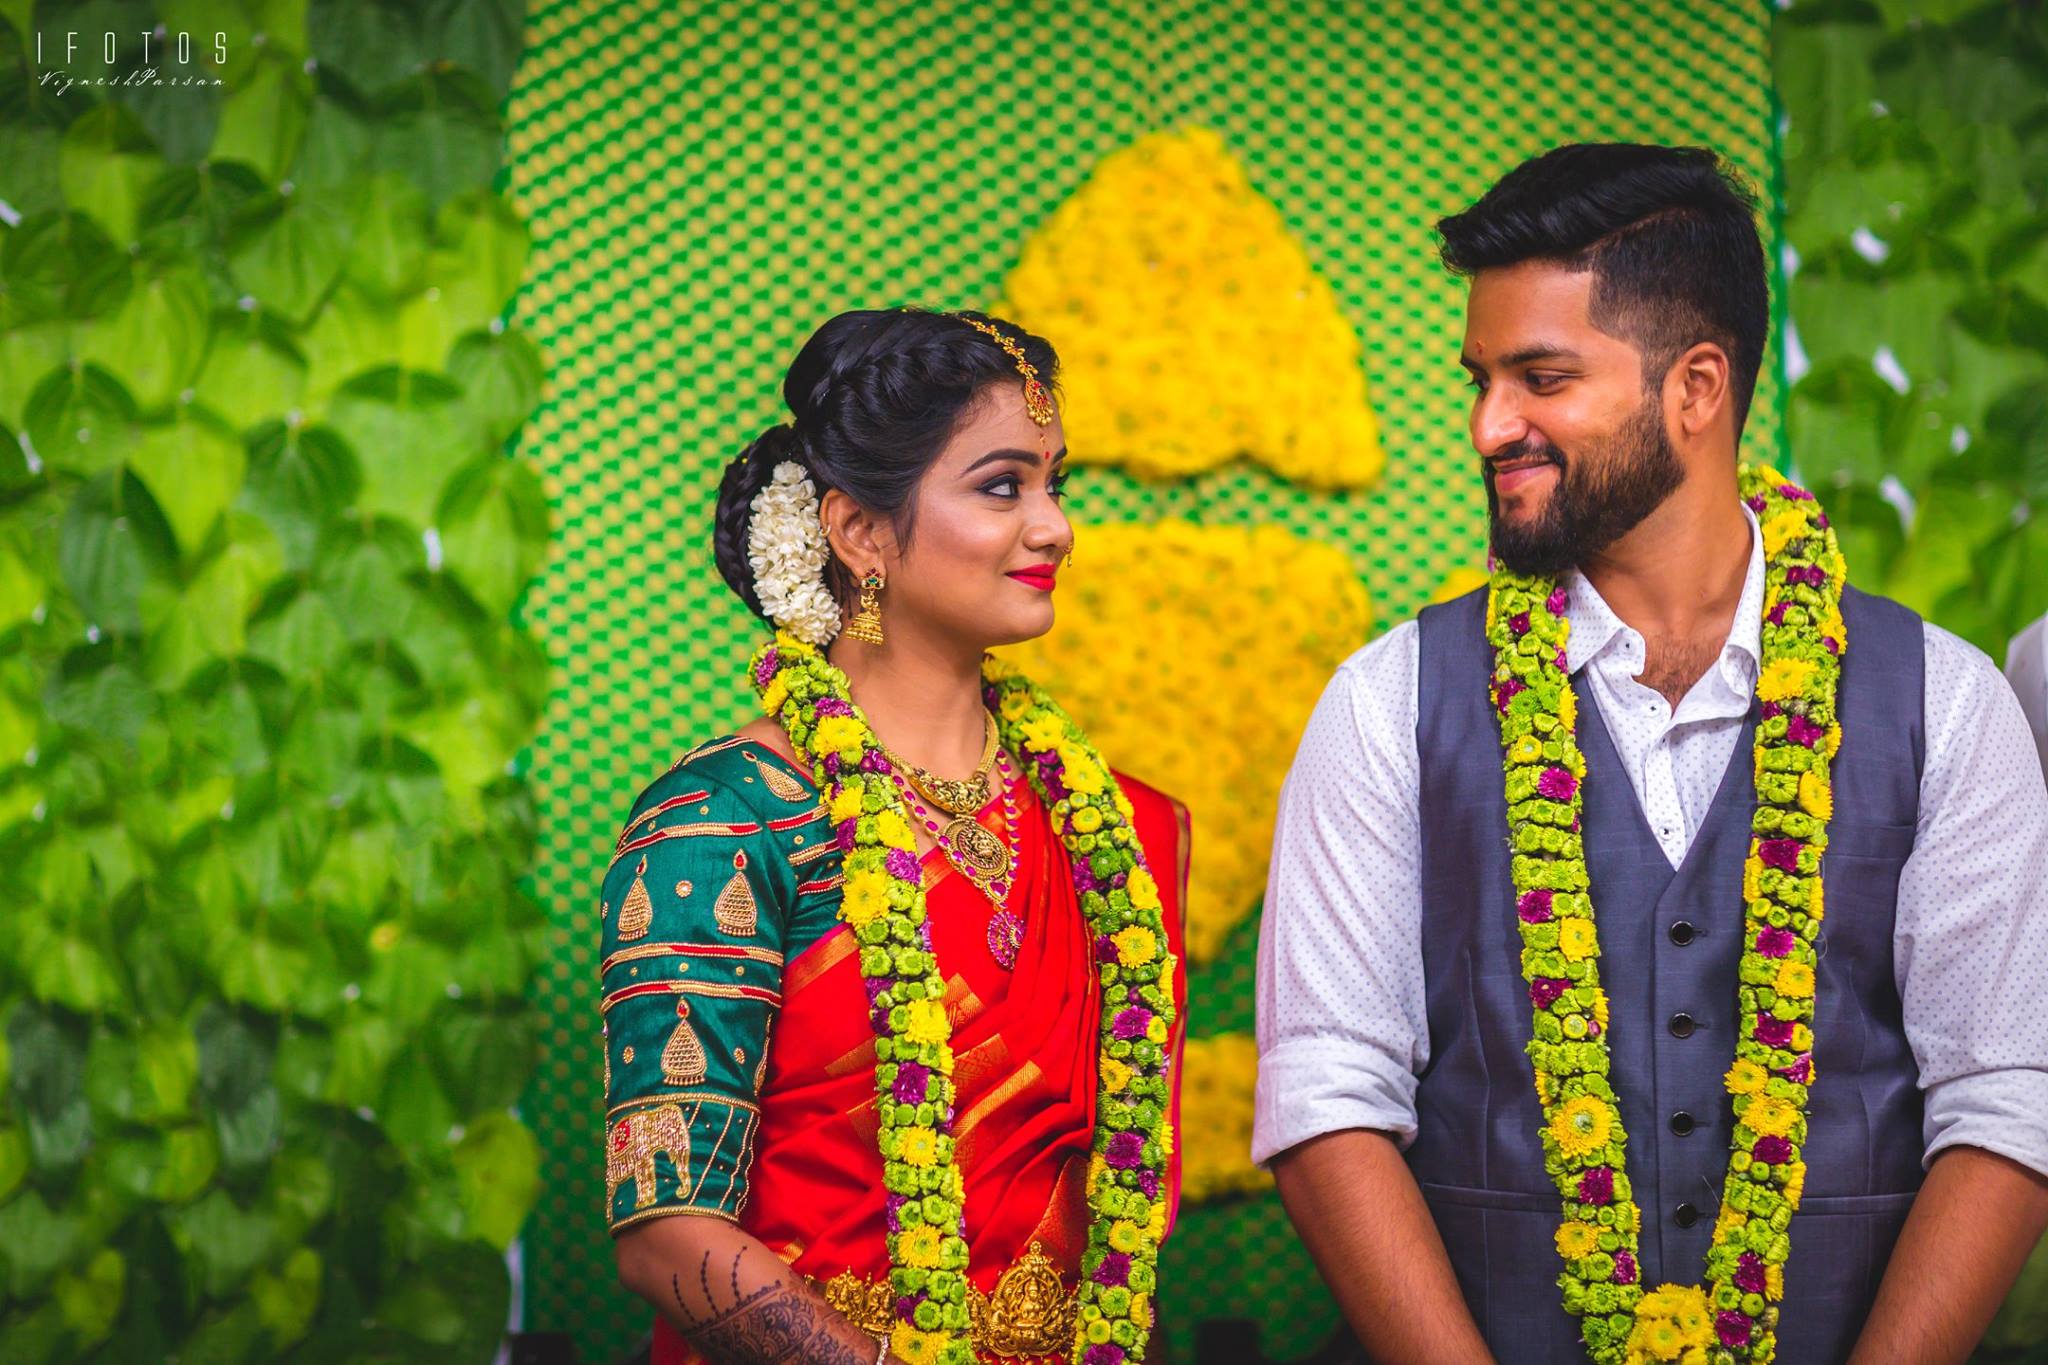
[787, 550]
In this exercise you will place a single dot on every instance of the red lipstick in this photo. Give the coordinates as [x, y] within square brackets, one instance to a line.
[1039, 576]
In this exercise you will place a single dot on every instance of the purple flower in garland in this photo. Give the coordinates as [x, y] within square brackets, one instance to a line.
[912, 1079]
[1114, 1270]
[844, 835]
[1533, 907]
[1519, 623]
[1771, 708]
[1757, 502]
[1773, 1031]
[831, 764]
[873, 761]
[1105, 948]
[892, 1209]
[1800, 1070]
[1624, 1268]
[1732, 1327]
[1803, 732]
[1557, 602]
[1557, 784]
[1772, 1151]
[1126, 1151]
[832, 706]
[1504, 693]
[1130, 1024]
[764, 671]
[1772, 942]
[1749, 1273]
[902, 865]
[1544, 990]
[1777, 616]
[1107, 1353]
[1794, 492]
[1596, 1185]
[1782, 854]
[906, 1306]
[1148, 1183]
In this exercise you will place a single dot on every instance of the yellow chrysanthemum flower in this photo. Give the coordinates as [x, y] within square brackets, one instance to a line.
[1746, 1077]
[1135, 945]
[1814, 797]
[1080, 771]
[1126, 1236]
[1831, 743]
[1753, 878]
[1794, 979]
[1141, 1310]
[1576, 938]
[1576, 1239]
[918, 1348]
[1770, 1116]
[1774, 1282]
[1795, 1181]
[919, 1245]
[1115, 1075]
[1568, 706]
[917, 1145]
[894, 831]
[1816, 897]
[773, 695]
[846, 805]
[1600, 1008]
[1543, 1088]
[1784, 679]
[1142, 889]
[1581, 1125]
[864, 897]
[1015, 704]
[837, 735]
[1784, 528]
[926, 1022]
[1527, 749]
[1043, 733]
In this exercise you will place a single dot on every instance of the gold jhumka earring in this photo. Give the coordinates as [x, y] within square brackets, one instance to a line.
[866, 625]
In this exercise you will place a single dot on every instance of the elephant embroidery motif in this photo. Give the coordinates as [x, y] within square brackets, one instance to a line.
[632, 1146]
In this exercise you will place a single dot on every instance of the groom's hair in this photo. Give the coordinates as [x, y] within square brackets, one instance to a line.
[1668, 232]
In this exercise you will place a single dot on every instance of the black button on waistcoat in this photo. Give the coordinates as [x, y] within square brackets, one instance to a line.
[1681, 1025]
[1681, 1123]
[1682, 932]
[1685, 1215]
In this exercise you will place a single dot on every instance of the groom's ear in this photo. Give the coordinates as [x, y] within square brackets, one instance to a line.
[1701, 376]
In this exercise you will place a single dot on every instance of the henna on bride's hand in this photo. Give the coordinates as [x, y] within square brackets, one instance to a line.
[776, 1323]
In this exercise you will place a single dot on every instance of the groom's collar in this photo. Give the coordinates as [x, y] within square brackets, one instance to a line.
[1595, 627]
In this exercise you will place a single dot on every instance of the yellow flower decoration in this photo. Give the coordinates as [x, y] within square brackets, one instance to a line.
[1527, 749]
[918, 1348]
[846, 805]
[1746, 1077]
[864, 897]
[1576, 938]
[773, 696]
[1126, 1236]
[1770, 1116]
[1795, 1181]
[1135, 946]
[1600, 1008]
[1576, 1239]
[1784, 679]
[894, 831]
[1087, 820]
[1218, 1077]
[1787, 526]
[917, 1145]
[1794, 979]
[1082, 774]
[1015, 704]
[1816, 896]
[1115, 1075]
[1191, 327]
[1581, 1125]
[1142, 889]
[1568, 706]
[1814, 797]
[926, 1022]
[1044, 734]
[837, 735]
[919, 1245]
[1259, 618]
[1753, 878]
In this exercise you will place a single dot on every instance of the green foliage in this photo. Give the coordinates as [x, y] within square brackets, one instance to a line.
[263, 1015]
[1916, 201]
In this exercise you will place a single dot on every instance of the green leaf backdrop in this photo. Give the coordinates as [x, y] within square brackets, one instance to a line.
[262, 824]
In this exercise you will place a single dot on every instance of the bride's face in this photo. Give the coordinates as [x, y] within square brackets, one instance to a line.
[987, 534]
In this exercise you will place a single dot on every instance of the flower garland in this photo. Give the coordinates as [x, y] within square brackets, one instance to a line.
[883, 900]
[1733, 1317]
[787, 550]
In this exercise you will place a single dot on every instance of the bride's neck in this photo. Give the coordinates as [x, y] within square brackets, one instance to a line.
[923, 698]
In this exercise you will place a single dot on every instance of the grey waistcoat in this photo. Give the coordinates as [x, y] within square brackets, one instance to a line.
[1478, 1157]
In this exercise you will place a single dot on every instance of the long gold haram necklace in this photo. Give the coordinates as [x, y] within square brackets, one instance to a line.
[978, 855]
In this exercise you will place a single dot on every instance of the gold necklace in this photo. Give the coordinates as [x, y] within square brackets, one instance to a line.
[955, 796]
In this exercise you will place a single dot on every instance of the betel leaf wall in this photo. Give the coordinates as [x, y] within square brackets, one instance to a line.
[267, 958]
[1915, 146]
[1915, 194]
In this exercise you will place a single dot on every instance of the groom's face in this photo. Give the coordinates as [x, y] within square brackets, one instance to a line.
[1573, 444]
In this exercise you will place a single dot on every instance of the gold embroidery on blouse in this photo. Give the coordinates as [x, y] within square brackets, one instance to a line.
[709, 950]
[734, 909]
[812, 854]
[627, 1055]
[632, 1145]
[638, 911]
[683, 1061]
[779, 782]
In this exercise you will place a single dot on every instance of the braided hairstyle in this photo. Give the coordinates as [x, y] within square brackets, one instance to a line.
[875, 395]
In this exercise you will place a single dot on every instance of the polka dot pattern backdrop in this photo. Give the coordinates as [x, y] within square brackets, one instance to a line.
[706, 183]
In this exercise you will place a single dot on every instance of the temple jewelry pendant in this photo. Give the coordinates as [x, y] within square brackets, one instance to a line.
[981, 852]
[1005, 938]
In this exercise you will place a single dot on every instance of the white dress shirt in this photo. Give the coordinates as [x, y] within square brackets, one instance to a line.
[1342, 1028]
[2026, 668]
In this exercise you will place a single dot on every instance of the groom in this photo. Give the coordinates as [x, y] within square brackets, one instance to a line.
[1614, 330]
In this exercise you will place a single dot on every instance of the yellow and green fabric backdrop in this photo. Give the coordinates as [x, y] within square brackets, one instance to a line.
[1221, 216]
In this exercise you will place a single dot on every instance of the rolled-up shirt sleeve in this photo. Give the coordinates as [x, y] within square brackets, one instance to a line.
[1971, 937]
[1342, 1028]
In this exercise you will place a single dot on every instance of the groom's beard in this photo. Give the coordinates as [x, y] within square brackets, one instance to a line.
[1598, 497]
